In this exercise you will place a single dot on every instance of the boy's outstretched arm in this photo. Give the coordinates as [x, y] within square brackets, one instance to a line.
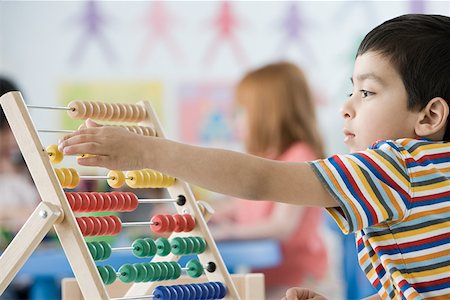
[227, 172]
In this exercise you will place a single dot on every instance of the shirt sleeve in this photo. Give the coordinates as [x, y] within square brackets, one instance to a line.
[371, 186]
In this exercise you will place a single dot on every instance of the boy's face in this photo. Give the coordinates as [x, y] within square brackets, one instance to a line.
[377, 108]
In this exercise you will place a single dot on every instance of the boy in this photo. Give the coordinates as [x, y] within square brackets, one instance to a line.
[394, 193]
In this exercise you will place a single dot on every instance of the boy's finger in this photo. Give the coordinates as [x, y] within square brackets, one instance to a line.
[74, 140]
[93, 161]
[82, 148]
[90, 123]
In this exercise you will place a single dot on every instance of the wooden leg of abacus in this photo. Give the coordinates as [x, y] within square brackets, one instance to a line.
[27, 240]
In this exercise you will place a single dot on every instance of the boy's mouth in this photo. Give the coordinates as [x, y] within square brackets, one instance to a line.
[348, 135]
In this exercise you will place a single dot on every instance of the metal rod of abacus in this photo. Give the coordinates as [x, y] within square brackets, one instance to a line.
[156, 200]
[56, 130]
[130, 224]
[50, 107]
[122, 249]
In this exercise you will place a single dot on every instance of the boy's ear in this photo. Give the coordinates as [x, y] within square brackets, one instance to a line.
[432, 119]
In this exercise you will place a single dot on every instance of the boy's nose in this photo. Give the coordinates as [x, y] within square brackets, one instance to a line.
[346, 110]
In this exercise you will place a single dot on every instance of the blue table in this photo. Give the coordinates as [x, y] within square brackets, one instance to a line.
[46, 267]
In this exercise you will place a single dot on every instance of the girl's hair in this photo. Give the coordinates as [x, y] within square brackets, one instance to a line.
[280, 110]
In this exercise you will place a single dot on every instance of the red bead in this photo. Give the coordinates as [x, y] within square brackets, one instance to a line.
[118, 225]
[97, 225]
[134, 201]
[121, 202]
[190, 223]
[107, 202]
[181, 223]
[84, 202]
[114, 202]
[82, 225]
[111, 225]
[89, 226]
[77, 201]
[172, 223]
[100, 201]
[127, 202]
[160, 223]
[104, 228]
[70, 199]
[92, 202]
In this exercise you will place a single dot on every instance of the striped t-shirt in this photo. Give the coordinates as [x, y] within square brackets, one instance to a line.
[396, 197]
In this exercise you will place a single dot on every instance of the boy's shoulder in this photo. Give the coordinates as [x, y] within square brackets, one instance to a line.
[410, 145]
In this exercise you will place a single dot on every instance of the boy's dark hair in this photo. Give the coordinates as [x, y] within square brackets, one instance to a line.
[418, 46]
[5, 87]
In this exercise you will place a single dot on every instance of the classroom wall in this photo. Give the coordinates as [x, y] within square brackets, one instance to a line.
[185, 56]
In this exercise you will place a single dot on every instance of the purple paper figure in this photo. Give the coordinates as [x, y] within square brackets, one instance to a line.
[226, 24]
[417, 6]
[347, 7]
[293, 25]
[93, 22]
[159, 22]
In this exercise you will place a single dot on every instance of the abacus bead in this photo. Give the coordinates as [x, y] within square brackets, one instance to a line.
[134, 179]
[180, 292]
[100, 251]
[173, 293]
[217, 290]
[109, 112]
[104, 227]
[89, 109]
[202, 244]
[70, 200]
[142, 113]
[82, 225]
[54, 154]
[112, 274]
[195, 243]
[107, 250]
[163, 247]
[153, 248]
[150, 270]
[121, 202]
[78, 201]
[104, 274]
[128, 273]
[89, 226]
[141, 272]
[97, 225]
[180, 223]
[116, 179]
[192, 291]
[164, 271]
[114, 202]
[141, 248]
[134, 201]
[190, 223]
[156, 271]
[99, 201]
[178, 245]
[223, 289]
[106, 202]
[118, 225]
[205, 291]
[92, 249]
[103, 110]
[75, 178]
[84, 202]
[160, 223]
[177, 269]
[161, 292]
[211, 290]
[158, 179]
[92, 202]
[171, 224]
[195, 268]
[170, 270]
[78, 110]
[67, 177]
[95, 110]
[198, 291]
[189, 246]
[146, 178]
[60, 175]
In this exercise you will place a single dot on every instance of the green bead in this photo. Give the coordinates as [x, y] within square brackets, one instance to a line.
[104, 274]
[163, 246]
[100, 251]
[170, 270]
[150, 271]
[111, 274]
[156, 272]
[141, 272]
[195, 268]
[178, 246]
[189, 246]
[177, 269]
[107, 250]
[196, 244]
[141, 248]
[152, 245]
[202, 244]
[164, 271]
[128, 273]
[92, 250]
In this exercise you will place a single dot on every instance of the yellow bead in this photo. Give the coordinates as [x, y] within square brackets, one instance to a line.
[116, 179]
[60, 176]
[75, 180]
[67, 177]
[54, 154]
[135, 179]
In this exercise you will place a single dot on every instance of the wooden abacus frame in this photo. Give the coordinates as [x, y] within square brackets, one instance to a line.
[54, 210]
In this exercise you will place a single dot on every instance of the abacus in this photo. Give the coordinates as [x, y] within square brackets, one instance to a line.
[204, 278]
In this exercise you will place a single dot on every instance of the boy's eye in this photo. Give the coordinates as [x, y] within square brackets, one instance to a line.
[366, 93]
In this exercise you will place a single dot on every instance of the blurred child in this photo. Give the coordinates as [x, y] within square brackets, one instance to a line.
[393, 190]
[277, 119]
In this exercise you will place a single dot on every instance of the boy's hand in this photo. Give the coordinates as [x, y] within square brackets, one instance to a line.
[302, 294]
[114, 148]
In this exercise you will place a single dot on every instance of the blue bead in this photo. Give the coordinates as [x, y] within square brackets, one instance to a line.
[223, 290]
[181, 293]
[192, 291]
[211, 289]
[162, 292]
[205, 291]
[216, 290]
